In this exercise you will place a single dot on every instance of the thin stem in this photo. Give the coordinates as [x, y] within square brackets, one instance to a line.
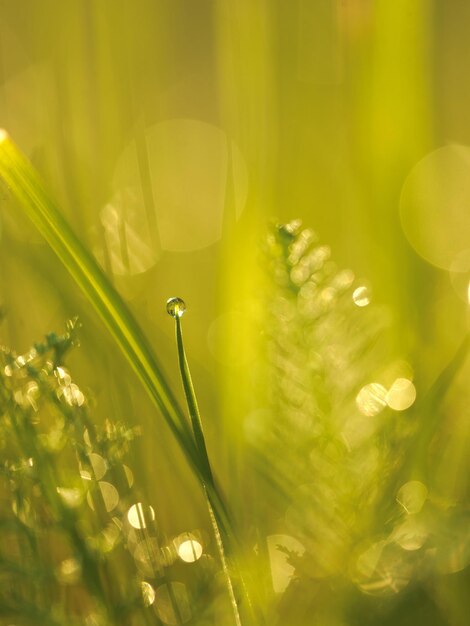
[220, 518]
[200, 441]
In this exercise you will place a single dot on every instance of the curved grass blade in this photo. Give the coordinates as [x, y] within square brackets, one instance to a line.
[28, 189]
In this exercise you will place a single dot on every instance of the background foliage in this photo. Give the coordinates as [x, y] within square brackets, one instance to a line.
[171, 134]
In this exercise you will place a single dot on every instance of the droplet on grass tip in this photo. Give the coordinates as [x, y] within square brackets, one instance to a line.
[189, 549]
[110, 495]
[139, 515]
[361, 296]
[148, 593]
[401, 394]
[175, 307]
[371, 399]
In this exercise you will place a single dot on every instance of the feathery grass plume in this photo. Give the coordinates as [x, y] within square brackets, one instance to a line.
[79, 543]
[333, 443]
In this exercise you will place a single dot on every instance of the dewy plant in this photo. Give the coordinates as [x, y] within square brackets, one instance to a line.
[341, 454]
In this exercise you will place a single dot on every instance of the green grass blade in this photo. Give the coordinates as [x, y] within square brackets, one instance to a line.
[199, 438]
[221, 524]
[28, 189]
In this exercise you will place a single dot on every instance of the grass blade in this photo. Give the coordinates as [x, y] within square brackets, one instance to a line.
[175, 308]
[28, 189]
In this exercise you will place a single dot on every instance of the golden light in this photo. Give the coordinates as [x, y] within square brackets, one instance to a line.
[401, 394]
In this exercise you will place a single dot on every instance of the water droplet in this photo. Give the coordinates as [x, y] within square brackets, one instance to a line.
[32, 394]
[110, 495]
[290, 229]
[401, 394]
[361, 296]
[175, 307]
[98, 464]
[71, 395]
[189, 549]
[62, 375]
[371, 399]
[412, 496]
[299, 274]
[129, 475]
[344, 279]
[86, 437]
[148, 593]
[140, 516]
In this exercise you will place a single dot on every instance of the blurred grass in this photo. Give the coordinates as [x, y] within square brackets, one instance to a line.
[313, 109]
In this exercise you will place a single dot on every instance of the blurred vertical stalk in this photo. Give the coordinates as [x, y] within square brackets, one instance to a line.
[247, 100]
[391, 125]
[245, 51]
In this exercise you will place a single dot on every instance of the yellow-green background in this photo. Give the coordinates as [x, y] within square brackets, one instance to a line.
[317, 109]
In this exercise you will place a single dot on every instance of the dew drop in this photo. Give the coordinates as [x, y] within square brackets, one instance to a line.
[361, 296]
[71, 394]
[148, 593]
[371, 399]
[140, 516]
[401, 394]
[175, 307]
[99, 465]
[129, 475]
[189, 549]
[110, 495]
[290, 229]
[62, 375]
